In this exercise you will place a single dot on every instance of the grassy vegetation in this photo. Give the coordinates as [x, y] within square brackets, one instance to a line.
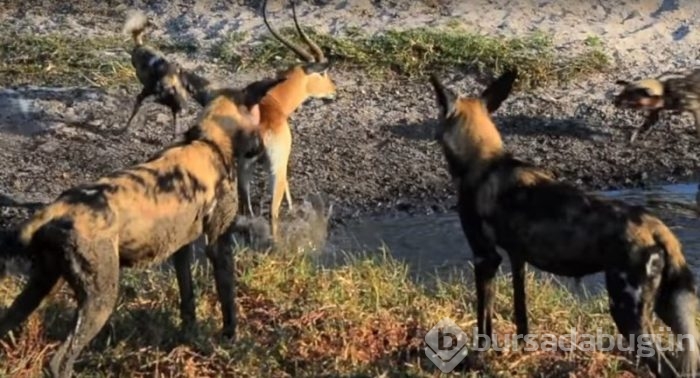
[54, 60]
[415, 52]
[366, 318]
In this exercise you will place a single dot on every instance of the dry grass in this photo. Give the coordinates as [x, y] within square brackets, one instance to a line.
[365, 318]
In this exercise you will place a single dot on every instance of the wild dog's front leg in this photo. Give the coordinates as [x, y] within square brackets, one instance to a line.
[485, 268]
[486, 263]
[93, 275]
[220, 253]
[651, 119]
[182, 260]
[519, 296]
[244, 175]
[145, 92]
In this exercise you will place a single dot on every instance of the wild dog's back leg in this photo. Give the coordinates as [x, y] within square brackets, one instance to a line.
[632, 290]
[651, 119]
[93, 274]
[220, 253]
[182, 260]
[41, 282]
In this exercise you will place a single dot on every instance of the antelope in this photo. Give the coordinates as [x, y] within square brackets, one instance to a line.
[300, 83]
[675, 92]
[140, 216]
[510, 206]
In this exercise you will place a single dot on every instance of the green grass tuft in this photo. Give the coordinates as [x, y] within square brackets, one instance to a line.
[104, 61]
[53, 59]
[415, 52]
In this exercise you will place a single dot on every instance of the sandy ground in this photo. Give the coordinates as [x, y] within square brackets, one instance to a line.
[371, 150]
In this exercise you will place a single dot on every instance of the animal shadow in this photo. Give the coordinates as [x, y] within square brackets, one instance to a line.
[572, 127]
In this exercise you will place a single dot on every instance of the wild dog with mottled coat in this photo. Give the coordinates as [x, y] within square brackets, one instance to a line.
[138, 216]
[675, 92]
[509, 205]
[301, 82]
[169, 83]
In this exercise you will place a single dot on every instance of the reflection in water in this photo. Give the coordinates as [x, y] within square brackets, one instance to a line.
[434, 243]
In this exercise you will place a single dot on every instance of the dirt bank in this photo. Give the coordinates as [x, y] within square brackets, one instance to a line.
[371, 150]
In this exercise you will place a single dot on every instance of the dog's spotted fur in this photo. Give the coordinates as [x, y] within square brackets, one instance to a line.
[138, 216]
[510, 205]
[675, 92]
[167, 81]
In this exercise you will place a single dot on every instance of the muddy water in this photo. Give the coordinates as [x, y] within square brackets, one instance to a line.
[434, 245]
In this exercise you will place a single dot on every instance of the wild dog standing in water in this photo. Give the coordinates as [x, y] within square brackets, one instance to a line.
[167, 81]
[138, 216]
[678, 92]
[301, 82]
[510, 205]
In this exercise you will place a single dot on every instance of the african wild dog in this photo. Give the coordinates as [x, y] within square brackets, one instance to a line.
[166, 80]
[510, 206]
[679, 92]
[139, 216]
[301, 82]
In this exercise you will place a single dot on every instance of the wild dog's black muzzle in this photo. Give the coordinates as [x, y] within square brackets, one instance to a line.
[250, 145]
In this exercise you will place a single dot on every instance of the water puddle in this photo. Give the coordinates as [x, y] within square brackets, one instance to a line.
[435, 244]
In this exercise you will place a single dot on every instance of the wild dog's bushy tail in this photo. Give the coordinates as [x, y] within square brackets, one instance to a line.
[135, 24]
[677, 302]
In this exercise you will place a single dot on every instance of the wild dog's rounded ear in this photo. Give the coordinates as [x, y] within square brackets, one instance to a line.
[255, 91]
[254, 114]
[622, 82]
[444, 96]
[498, 91]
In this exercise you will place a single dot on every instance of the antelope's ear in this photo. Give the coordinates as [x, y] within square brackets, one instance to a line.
[445, 97]
[499, 90]
[319, 68]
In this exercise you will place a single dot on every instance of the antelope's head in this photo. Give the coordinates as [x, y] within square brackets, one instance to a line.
[313, 74]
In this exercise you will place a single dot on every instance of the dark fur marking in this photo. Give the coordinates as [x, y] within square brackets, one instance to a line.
[130, 175]
[93, 196]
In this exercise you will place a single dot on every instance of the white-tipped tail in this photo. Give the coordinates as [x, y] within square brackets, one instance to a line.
[136, 23]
